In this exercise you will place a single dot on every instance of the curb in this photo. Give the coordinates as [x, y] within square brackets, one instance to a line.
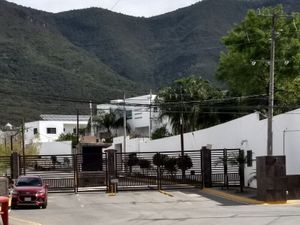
[245, 200]
[232, 197]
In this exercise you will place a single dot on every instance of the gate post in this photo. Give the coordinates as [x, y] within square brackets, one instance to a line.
[111, 169]
[15, 165]
[206, 167]
[75, 168]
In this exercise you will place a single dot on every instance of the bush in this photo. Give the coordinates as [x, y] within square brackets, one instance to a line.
[159, 159]
[160, 133]
[184, 162]
[132, 160]
[170, 165]
[144, 164]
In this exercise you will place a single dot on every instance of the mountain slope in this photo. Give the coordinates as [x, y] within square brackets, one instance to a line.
[39, 64]
[46, 59]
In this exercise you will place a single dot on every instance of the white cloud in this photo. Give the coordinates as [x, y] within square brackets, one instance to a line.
[130, 7]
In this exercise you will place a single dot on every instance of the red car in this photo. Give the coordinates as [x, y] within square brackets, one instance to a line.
[30, 190]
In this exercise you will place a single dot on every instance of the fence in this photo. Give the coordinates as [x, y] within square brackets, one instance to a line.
[133, 171]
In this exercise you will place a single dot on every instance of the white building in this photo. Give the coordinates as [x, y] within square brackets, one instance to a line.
[142, 118]
[50, 127]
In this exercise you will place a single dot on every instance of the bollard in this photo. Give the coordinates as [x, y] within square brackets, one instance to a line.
[114, 186]
[4, 209]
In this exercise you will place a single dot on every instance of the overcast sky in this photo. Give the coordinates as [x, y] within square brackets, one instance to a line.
[145, 8]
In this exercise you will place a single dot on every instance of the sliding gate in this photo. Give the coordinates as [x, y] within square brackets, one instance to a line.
[131, 171]
[73, 173]
[157, 170]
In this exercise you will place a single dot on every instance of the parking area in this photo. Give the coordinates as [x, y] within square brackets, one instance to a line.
[152, 207]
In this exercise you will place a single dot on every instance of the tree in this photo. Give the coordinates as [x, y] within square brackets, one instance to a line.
[184, 163]
[109, 121]
[132, 161]
[159, 159]
[160, 133]
[170, 165]
[68, 137]
[144, 164]
[245, 64]
[189, 97]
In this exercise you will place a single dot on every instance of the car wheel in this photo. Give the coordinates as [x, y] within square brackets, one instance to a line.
[44, 206]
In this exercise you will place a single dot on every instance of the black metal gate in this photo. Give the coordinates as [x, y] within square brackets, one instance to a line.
[5, 166]
[74, 172]
[225, 169]
[58, 171]
[132, 171]
[157, 170]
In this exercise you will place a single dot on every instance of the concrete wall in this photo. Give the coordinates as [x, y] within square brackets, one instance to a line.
[248, 133]
[56, 148]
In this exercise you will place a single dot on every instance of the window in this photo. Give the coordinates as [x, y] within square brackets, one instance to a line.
[35, 130]
[51, 130]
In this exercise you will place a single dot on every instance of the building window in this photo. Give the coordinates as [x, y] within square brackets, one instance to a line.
[51, 130]
[35, 130]
[128, 114]
[155, 109]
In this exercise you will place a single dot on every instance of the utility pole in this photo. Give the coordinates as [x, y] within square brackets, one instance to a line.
[92, 124]
[77, 127]
[124, 123]
[23, 145]
[181, 124]
[150, 114]
[271, 89]
[11, 144]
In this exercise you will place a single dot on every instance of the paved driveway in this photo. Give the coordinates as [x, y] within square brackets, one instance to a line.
[152, 207]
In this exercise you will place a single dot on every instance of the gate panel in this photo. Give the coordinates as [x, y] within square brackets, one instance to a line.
[5, 166]
[136, 171]
[225, 171]
[56, 170]
[172, 179]
[139, 170]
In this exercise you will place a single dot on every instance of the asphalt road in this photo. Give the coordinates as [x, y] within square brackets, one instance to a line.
[152, 207]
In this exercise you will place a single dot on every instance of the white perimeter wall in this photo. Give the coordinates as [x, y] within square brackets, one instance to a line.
[55, 148]
[248, 133]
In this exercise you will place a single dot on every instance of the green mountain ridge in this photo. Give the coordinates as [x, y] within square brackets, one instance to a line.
[95, 54]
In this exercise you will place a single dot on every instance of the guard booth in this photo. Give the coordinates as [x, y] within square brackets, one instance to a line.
[90, 163]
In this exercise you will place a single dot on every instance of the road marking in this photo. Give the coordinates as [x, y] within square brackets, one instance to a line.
[24, 221]
[166, 193]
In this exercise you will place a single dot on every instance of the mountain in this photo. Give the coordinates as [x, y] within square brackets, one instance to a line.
[56, 63]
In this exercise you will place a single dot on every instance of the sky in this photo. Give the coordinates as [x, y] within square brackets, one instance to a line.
[146, 8]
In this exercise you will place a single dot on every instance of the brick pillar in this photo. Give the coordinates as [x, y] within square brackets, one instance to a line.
[271, 178]
[206, 167]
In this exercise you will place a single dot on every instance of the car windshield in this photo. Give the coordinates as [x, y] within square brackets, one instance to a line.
[29, 181]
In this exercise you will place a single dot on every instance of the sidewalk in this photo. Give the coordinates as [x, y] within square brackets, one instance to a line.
[248, 196]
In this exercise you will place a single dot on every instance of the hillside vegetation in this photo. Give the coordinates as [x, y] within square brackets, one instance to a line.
[48, 59]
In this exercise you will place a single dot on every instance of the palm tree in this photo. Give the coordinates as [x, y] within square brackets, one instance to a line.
[109, 121]
[187, 97]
